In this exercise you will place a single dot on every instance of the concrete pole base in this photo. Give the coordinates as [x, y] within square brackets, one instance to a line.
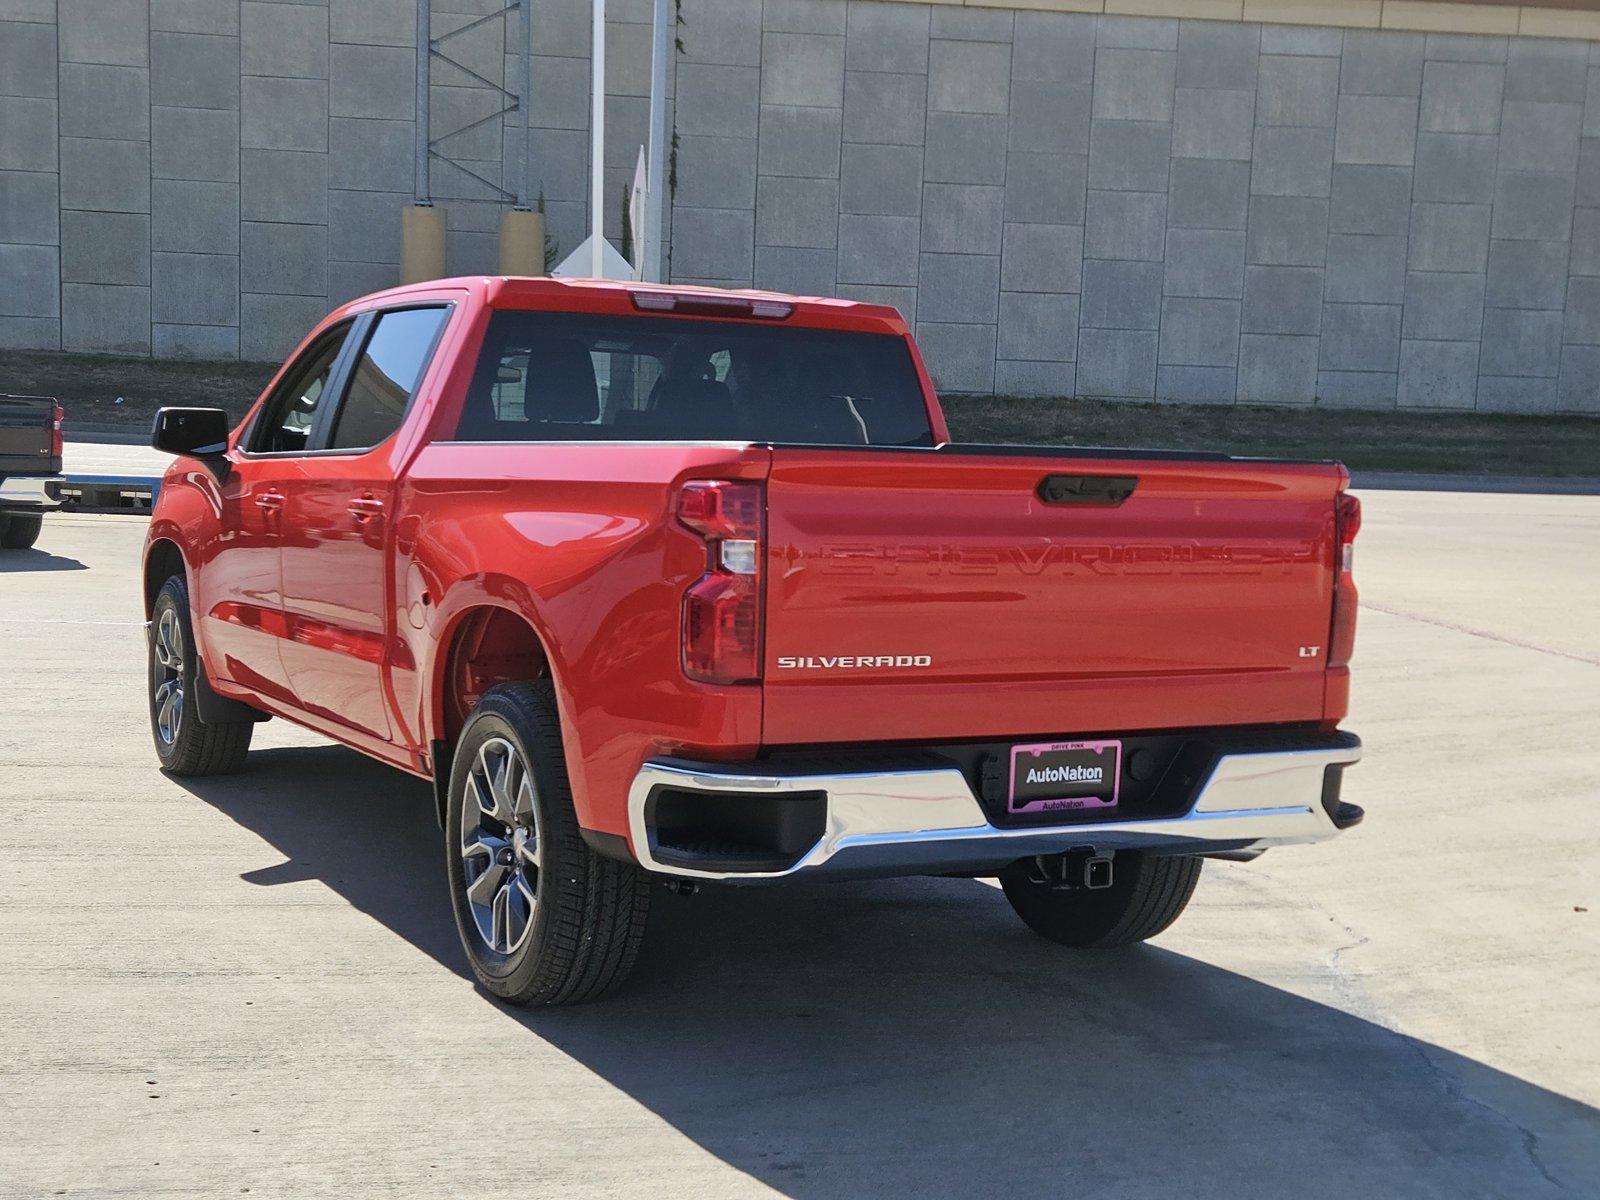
[421, 243]
[521, 242]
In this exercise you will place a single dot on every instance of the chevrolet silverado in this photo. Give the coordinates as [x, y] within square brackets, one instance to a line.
[660, 585]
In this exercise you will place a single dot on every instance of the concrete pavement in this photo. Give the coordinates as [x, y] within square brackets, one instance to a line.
[102, 458]
[253, 984]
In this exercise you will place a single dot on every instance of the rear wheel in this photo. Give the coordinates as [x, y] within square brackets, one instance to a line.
[1147, 894]
[19, 531]
[186, 743]
[543, 918]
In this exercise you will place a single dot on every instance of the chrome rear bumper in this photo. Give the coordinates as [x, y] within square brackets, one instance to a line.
[23, 495]
[917, 821]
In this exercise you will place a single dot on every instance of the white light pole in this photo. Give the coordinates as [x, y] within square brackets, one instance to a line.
[597, 258]
[650, 268]
[597, 145]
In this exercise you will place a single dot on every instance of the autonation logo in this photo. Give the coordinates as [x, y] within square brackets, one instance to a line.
[1066, 775]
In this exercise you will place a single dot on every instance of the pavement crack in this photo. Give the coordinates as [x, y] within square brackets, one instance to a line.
[1452, 1088]
[1360, 1002]
[1473, 631]
[1336, 959]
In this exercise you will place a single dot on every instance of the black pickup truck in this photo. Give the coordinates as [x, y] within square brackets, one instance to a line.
[30, 454]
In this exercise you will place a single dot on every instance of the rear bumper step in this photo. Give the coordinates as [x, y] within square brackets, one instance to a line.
[927, 819]
[25, 496]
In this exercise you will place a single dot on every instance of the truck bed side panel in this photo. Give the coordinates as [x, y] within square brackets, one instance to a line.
[582, 541]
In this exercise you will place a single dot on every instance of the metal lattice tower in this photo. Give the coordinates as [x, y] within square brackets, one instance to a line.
[429, 147]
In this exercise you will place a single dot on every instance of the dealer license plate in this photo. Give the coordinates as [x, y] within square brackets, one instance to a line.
[1065, 776]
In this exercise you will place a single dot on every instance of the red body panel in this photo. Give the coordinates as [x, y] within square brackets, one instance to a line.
[580, 540]
[232, 545]
[336, 603]
[1187, 604]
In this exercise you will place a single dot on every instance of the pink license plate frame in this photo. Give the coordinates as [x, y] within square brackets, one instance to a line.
[1067, 803]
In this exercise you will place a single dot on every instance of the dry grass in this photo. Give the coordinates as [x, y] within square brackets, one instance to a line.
[1475, 443]
[89, 385]
[1472, 443]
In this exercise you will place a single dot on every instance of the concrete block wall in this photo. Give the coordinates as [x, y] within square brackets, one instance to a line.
[1062, 203]
[1140, 208]
[207, 178]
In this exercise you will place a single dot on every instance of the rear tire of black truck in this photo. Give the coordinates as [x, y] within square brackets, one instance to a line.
[1147, 894]
[186, 743]
[19, 531]
[544, 919]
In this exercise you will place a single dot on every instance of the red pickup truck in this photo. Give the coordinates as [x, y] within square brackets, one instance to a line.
[660, 585]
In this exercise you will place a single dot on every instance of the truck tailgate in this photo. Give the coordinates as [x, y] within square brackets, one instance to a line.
[936, 594]
[27, 436]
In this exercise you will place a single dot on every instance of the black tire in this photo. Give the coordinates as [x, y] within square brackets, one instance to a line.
[1147, 893]
[19, 531]
[582, 932]
[190, 745]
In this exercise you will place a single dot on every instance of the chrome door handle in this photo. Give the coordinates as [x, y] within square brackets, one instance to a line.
[364, 508]
[271, 501]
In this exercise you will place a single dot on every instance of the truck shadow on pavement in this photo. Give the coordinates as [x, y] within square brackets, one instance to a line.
[17, 562]
[911, 1038]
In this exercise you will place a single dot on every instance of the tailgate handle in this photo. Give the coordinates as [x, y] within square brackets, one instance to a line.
[1087, 489]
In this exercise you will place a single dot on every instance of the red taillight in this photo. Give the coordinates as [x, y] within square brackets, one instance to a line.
[1346, 524]
[57, 415]
[722, 609]
[721, 511]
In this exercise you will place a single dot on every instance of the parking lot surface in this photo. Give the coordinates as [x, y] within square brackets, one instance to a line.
[110, 458]
[252, 984]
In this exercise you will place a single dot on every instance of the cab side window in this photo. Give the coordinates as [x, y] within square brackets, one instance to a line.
[291, 412]
[385, 377]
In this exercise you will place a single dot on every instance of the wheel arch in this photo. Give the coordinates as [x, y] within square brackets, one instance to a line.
[484, 644]
[163, 558]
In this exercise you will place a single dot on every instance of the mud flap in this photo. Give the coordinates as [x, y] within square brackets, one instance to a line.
[217, 709]
[440, 757]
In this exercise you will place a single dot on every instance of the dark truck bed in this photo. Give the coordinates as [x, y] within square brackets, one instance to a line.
[29, 446]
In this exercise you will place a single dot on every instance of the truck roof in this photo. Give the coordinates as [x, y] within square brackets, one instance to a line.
[609, 295]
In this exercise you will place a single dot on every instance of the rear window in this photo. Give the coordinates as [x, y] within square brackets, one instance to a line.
[565, 377]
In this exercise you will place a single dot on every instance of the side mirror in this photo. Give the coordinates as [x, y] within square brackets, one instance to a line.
[197, 431]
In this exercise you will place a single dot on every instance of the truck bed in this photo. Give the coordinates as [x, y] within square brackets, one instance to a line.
[28, 444]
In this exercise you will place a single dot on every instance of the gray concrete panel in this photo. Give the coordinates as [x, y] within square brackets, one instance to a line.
[1117, 363]
[1128, 225]
[959, 289]
[1211, 123]
[1438, 374]
[105, 319]
[1199, 333]
[105, 247]
[1205, 262]
[29, 207]
[1041, 325]
[1041, 258]
[194, 215]
[881, 180]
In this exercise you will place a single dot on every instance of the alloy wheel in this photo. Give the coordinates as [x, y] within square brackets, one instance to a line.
[168, 686]
[500, 846]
